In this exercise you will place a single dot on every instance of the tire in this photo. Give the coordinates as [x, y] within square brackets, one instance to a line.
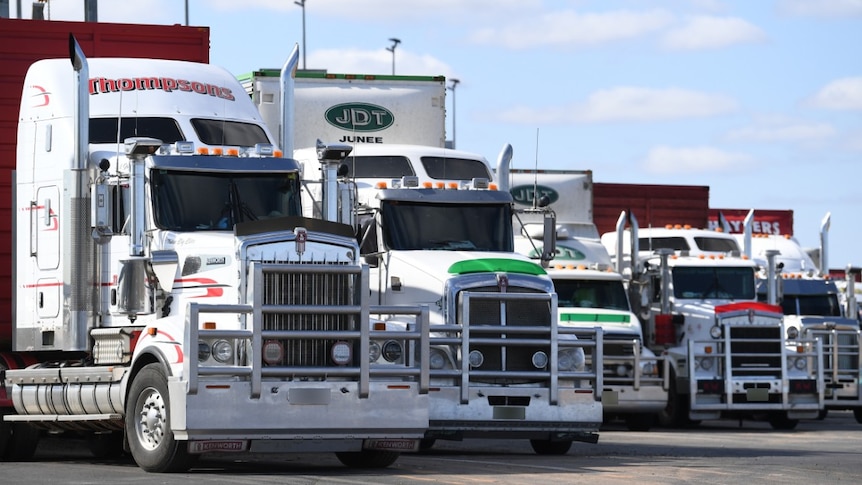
[675, 413]
[548, 447]
[857, 413]
[779, 421]
[426, 444]
[367, 458]
[640, 422]
[5, 435]
[18, 441]
[148, 424]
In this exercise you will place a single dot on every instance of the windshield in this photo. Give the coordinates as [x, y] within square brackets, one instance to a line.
[221, 132]
[197, 201]
[714, 283]
[448, 227]
[610, 295]
[454, 168]
[811, 305]
[105, 130]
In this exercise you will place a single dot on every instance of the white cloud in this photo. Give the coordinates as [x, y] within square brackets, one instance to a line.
[705, 32]
[821, 8]
[664, 159]
[569, 28]
[841, 94]
[789, 131]
[629, 104]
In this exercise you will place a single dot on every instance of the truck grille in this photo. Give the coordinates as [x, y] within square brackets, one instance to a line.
[312, 289]
[755, 350]
[499, 356]
[841, 359]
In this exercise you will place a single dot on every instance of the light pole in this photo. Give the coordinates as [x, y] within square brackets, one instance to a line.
[301, 3]
[395, 43]
[452, 88]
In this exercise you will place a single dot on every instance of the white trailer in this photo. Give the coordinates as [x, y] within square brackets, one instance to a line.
[354, 109]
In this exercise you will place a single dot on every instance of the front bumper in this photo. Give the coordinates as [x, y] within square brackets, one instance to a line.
[328, 413]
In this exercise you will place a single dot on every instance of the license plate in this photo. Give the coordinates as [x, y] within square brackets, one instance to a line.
[225, 446]
[391, 445]
[757, 395]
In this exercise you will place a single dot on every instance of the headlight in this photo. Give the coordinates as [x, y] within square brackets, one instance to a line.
[223, 351]
[622, 370]
[715, 332]
[392, 351]
[341, 353]
[373, 351]
[437, 359]
[792, 333]
[540, 360]
[567, 360]
[798, 363]
[273, 352]
[204, 351]
[476, 358]
[705, 364]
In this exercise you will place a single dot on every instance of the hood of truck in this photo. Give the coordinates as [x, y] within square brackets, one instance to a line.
[441, 265]
[421, 277]
[611, 321]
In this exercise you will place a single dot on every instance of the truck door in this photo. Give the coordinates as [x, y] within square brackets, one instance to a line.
[45, 230]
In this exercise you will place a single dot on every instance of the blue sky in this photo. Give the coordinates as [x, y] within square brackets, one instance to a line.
[761, 100]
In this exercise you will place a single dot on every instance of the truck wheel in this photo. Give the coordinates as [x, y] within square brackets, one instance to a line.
[148, 424]
[857, 413]
[640, 422]
[426, 443]
[367, 458]
[548, 447]
[779, 420]
[18, 441]
[675, 413]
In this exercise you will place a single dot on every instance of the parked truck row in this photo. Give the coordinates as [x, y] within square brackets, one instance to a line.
[293, 262]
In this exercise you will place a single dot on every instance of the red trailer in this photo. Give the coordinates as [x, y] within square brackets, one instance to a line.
[24, 41]
[653, 205]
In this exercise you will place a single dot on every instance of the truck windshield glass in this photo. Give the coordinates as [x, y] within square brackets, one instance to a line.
[104, 130]
[376, 167]
[718, 244]
[197, 201]
[232, 133]
[714, 283]
[447, 227]
[591, 294]
[444, 168]
[653, 243]
[811, 305]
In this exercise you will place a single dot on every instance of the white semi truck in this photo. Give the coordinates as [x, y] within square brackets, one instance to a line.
[590, 294]
[729, 354]
[436, 233]
[168, 291]
[815, 307]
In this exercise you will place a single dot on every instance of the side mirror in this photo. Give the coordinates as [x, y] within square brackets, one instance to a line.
[549, 238]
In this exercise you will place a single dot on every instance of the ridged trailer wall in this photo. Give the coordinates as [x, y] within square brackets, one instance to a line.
[24, 41]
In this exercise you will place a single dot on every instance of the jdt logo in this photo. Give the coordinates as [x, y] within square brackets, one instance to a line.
[359, 117]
